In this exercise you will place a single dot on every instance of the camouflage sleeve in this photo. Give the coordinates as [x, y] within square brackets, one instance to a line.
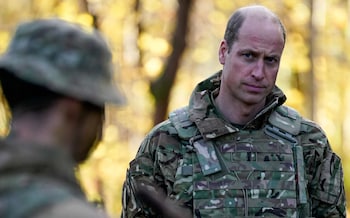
[154, 166]
[140, 170]
[324, 174]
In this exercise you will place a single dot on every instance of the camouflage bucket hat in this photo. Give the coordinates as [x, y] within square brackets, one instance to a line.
[64, 58]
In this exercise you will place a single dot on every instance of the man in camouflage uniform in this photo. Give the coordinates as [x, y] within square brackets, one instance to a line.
[56, 78]
[236, 150]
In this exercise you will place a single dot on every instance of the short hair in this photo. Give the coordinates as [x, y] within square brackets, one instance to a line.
[235, 23]
[232, 28]
[22, 95]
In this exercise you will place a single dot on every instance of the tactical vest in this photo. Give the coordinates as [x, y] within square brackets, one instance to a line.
[247, 173]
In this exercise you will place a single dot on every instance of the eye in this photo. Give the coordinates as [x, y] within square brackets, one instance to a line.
[271, 60]
[248, 55]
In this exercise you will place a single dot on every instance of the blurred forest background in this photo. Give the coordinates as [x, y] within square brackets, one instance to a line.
[163, 48]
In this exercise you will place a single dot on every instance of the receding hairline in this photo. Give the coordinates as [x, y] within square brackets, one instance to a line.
[258, 11]
[262, 12]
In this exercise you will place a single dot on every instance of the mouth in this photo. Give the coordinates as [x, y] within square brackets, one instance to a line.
[254, 88]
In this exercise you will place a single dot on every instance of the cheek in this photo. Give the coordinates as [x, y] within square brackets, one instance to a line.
[272, 76]
[95, 130]
[90, 136]
[236, 71]
[99, 130]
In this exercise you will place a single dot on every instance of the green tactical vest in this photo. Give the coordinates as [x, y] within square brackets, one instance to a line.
[247, 173]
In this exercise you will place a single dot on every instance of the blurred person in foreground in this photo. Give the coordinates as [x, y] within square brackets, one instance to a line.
[236, 150]
[56, 78]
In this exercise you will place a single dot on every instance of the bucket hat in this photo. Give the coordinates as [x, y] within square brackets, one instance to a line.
[65, 58]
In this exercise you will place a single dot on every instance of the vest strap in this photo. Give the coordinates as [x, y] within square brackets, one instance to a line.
[285, 123]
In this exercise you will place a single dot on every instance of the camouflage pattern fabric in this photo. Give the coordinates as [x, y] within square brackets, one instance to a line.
[35, 178]
[258, 176]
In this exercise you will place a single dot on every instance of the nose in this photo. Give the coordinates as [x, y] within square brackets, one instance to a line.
[258, 71]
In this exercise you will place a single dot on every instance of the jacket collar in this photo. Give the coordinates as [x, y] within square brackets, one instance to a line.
[202, 110]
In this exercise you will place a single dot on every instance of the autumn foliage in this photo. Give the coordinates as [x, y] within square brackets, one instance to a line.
[162, 48]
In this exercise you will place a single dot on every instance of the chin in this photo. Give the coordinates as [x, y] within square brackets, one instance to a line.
[255, 101]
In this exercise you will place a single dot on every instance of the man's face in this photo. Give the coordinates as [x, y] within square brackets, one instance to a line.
[250, 67]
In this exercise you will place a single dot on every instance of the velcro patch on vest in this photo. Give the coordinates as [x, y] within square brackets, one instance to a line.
[207, 157]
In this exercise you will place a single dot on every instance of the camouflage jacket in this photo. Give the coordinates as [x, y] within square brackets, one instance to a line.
[37, 181]
[162, 152]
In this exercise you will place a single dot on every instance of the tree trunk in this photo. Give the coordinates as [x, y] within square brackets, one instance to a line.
[310, 86]
[161, 87]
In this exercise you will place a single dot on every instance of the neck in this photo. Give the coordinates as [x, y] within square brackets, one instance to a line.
[236, 112]
[49, 128]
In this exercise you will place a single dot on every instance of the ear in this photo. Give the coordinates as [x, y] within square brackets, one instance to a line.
[223, 49]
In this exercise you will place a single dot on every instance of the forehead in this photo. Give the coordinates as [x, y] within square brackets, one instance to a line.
[260, 24]
[262, 30]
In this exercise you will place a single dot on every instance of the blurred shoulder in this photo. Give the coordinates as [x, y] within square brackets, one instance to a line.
[72, 208]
